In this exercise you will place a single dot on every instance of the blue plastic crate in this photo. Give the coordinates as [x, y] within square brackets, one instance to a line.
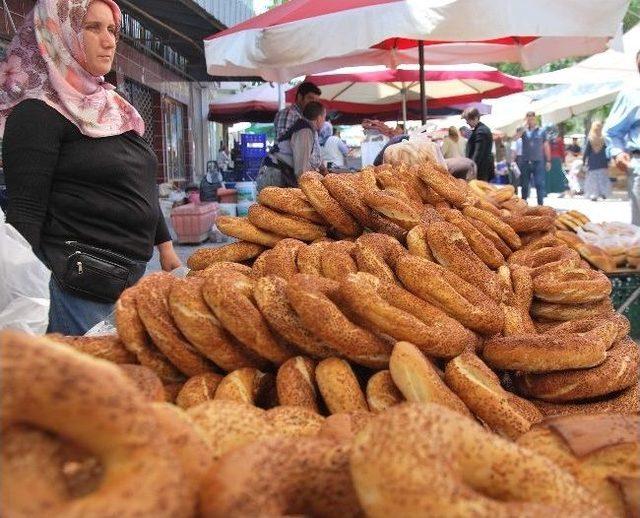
[253, 145]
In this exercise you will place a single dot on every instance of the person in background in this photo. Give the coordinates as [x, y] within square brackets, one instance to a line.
[574, 147]
[465, 133]
[223, 160]
[453, 145]
[479, 145]
[325, 132]
[536, 158]
[556, 180]
[297, 151]
[622, 135]
[335, 151]
[596, 183]
[77, 166]
[307, 92]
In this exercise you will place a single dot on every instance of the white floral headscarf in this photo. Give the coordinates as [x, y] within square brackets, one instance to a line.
[46, 61]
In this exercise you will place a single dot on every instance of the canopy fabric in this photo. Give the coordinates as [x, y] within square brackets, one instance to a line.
[260, 104]
[611, 65]
[306, 36]
[349, 89]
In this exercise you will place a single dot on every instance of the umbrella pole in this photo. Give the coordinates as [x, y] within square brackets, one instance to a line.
[423, 95]
[404, 105]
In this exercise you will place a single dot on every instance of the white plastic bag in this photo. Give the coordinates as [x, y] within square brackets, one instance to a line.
[24, 284]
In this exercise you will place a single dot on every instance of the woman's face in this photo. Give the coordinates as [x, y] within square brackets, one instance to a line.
[100, 36]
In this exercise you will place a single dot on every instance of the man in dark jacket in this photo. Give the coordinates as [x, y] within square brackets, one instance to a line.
[479, 144]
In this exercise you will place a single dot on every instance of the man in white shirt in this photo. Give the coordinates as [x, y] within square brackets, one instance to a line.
[334, 151]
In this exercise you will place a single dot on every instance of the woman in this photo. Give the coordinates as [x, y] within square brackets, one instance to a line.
[297, 151]
[596, 183]
[453, 145]
[555, 181]
[80, 177]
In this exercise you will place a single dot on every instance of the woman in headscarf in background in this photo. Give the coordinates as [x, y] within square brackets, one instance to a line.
[597, 183]
[81, 179]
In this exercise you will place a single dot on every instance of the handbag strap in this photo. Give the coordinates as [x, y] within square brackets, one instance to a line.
[7, 15]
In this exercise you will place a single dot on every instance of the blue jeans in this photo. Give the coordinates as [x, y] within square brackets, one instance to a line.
[72, 315]
[535, 168]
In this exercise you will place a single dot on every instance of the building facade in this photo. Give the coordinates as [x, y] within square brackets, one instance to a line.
[160, 69]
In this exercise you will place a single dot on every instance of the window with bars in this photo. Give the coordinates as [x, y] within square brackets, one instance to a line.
[174, 143]
[141, 98]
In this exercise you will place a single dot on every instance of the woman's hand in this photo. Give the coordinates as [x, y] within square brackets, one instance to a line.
[169, 260]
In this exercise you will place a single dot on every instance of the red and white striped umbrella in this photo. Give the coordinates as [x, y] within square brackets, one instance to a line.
[304, 37]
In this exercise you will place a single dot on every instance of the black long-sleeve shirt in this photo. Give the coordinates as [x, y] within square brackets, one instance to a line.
[479, 150]
[63, 185]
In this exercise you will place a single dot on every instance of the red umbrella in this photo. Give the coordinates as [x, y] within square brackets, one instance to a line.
[309, 36]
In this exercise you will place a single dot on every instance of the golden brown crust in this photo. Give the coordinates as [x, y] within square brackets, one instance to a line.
[565, 312]
[308, 297]
[233, 252]
[224, 266]
[243, 229]
[200, 326]
[336, 263]
[284, 225]
[134, 336]
[575, 286]
[198, 389]
[105, 347]
[479, 387]
[382, 392]
[456, 297]
[503, 229]
[394, 208]
[418, 380]
[624, 402]
[243, 386]
[339, 387]
[270, 294]
[417, 242]
[349, 198]
[398, 313]
[439, 179]
[619, 371]
[281, 260]
[309, 259]
[492, 236]
[296, 383]
[290, 201]
[458, 469]
[230, 297]
[146, 380]
[328, 207]
[153, 307]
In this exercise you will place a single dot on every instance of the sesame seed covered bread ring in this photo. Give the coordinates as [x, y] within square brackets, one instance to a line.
[482, 247]
[601, 451]
[200, 326]
[296, 383]
[284, 225]
[281, 260]
[457, 469]
[309, 259]
[624, 402]
[496, 224]
[295, 476]
[105, 347]
[270, 294]
[566, 312]
[147, 381]
[134, 336]
[417, 242]
[141, 477]
[418, 381]
[243, 229]
[572, 286]
[479, 387]
[517, 298]
[397, 210]
[233, 252]
[382, 392]
[339, 387]
[308, 295]
[580, 326]
[328, 207]
[222, 266]
[456, 297]
[198, 389]
[451, 250]
[152, 301]
[243, 386]
[544, 260]
[290, 201]
[336, 263]
[492, 236]
[619, 371]
[403, 316]
[349, 198]
[441, 181]
[548, 353]
[230, 297]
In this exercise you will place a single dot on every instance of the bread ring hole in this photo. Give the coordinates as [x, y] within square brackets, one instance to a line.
[82, 471]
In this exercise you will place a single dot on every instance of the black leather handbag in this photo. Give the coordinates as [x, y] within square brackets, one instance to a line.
[91, 272]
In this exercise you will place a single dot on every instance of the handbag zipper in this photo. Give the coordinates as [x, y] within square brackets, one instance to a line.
[79, 263]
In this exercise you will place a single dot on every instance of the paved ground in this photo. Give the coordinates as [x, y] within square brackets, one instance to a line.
[616, 208]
